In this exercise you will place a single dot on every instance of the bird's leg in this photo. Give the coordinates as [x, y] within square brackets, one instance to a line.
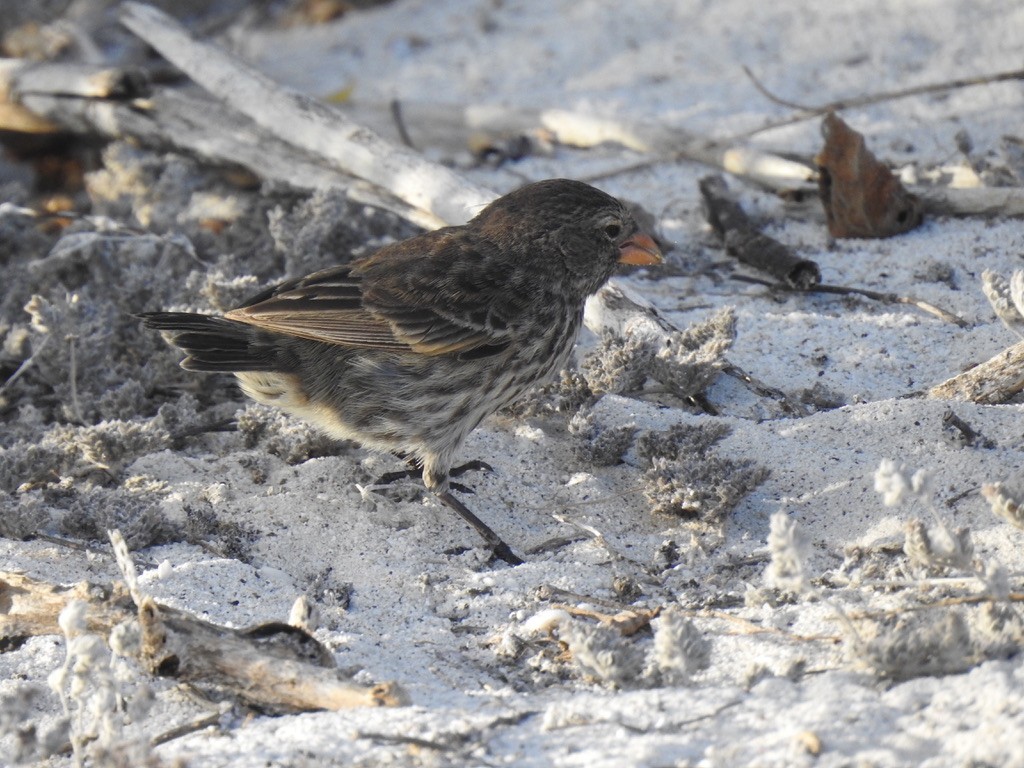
[500, 549]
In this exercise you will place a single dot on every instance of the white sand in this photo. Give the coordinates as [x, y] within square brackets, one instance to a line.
[437, 623]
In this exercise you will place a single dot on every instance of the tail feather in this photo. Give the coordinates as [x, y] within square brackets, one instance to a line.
[216, 343]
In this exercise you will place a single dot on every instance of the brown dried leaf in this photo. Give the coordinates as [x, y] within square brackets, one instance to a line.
[862, 197]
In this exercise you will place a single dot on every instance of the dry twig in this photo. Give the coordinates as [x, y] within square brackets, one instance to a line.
[808, 113]
[842, 290]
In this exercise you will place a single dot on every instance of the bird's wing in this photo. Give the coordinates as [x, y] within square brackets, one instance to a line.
[325, 306]
[401, 298]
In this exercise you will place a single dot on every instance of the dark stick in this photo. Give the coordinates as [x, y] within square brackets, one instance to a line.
[763, 390]
[501, 550]
[403, 132]
[744, 242]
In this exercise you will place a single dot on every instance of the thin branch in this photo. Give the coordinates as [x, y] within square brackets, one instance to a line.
[622, 170]
[552, 593]
[842, 290]
[946, 602]
[185, 729]
[892, 298]
[854, 102]
[675, 726]
[398, 738]
[761, 389]
[25, 365]
[763, 90]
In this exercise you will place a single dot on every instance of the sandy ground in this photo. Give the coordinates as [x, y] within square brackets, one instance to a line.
[871, 661]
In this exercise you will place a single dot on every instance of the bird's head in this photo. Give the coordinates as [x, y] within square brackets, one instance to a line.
[568, 230]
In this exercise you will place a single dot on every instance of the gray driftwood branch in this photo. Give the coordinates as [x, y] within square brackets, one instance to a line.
[274, 667]
[309, 124]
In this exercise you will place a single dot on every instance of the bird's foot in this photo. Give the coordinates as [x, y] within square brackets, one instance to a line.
[414, 473]
[470, 466]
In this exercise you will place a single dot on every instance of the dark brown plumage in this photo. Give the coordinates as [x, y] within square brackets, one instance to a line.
[409, 349]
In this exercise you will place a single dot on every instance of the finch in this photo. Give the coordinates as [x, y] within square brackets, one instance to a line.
[406, 351]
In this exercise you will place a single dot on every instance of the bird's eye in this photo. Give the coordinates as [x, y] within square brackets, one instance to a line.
[613, 230]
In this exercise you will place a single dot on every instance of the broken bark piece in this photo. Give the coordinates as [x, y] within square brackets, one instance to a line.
[992, 382]
[29, 608]
[744, 242]
[20, 78]
[86, 81]
[13, 116]
[1006, 298]
[862, 197]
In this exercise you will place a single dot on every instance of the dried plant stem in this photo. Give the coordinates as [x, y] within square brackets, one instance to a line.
[403, 132]
[76, 405]
[186, 729]
[628, 621]
[753, 628]
[946, 602]
[25, 364]
[557, 594]
[397, 738]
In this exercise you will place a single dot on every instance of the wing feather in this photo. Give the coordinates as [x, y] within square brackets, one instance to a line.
[375, 304]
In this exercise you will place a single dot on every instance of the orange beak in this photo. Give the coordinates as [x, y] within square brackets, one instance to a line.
[639, 250]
